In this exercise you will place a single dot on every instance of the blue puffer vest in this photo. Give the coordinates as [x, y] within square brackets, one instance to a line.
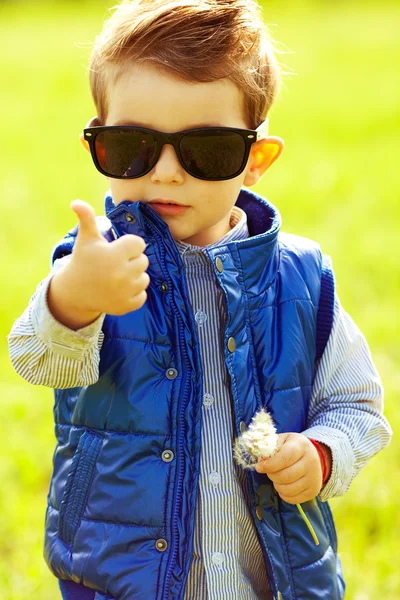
[121, 514]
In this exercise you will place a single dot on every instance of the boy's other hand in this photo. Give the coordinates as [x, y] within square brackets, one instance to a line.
[295, 470]
[101, 277]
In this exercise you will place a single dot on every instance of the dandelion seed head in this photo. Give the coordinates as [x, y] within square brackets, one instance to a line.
[259, 441]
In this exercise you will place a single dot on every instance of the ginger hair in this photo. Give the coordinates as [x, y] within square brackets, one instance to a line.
[194, 40]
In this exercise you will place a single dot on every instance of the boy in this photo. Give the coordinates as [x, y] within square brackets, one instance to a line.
[165, 328]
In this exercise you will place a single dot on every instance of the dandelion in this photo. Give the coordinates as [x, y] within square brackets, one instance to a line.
[259, 441]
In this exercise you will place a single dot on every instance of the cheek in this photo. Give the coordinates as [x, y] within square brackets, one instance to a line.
[125, 190]
[115, 191]
[225, 195]
[214, 204]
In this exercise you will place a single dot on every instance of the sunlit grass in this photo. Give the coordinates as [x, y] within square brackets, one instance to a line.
[337, 182]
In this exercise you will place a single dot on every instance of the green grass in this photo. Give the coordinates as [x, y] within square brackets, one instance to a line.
[338, 181]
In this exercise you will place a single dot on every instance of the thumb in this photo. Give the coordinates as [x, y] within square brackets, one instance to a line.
[87, 220]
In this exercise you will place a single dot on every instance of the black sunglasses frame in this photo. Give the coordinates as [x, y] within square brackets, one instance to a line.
[249, 136]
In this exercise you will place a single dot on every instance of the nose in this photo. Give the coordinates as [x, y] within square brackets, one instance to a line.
[168, 168]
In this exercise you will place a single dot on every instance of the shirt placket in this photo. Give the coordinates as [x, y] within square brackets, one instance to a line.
[215, 571]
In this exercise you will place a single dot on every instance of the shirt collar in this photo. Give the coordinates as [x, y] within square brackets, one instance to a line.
[239, 231]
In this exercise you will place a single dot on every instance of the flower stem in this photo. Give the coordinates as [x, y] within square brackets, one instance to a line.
[307, 522]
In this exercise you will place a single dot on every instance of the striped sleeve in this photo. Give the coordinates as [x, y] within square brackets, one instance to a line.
[45, 352]
[346, 407]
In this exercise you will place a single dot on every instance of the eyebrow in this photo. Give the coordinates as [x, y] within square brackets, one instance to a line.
[145, 126]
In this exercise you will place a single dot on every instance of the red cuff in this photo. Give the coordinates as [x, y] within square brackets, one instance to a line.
[323, 459]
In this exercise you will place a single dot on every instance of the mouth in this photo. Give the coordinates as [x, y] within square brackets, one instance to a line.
[165, 201]
[166, 207]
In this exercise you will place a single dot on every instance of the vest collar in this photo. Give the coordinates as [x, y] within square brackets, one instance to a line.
[256, 258]
[263, 219]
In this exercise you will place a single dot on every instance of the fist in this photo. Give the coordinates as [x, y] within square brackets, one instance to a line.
[106, 277]
[295, 469]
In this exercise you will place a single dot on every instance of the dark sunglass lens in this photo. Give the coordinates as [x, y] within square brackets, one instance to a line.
[125, 153]
[213, 155]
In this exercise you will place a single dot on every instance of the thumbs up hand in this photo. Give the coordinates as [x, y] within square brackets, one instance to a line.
[101, 277]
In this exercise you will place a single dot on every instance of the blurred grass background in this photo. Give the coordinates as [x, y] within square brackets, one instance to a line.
[338, 181]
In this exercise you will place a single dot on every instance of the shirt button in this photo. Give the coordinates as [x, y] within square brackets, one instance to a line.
[171, 373]
[167, 455]
[219, 265]
[161, 545]
[231, 344]
[217, 558]
[200, 317]
[214, 478]
[208, 399]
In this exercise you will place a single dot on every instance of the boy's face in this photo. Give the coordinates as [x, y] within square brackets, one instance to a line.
[152, 98]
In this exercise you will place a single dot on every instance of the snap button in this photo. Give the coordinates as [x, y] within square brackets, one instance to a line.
[161, 545]
[171, 373]
[231, 344]
[242, 427]
[259, 512]
[219, 265]
[130, 218]
[164, 287]
[167, 455]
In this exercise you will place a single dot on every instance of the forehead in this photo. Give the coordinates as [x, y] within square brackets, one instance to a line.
[155, 98]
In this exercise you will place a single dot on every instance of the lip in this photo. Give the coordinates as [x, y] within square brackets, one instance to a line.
[162, 208]
[165, 206]
[164, 201]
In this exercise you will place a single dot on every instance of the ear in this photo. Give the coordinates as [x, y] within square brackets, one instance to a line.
[93, 122]
[263, 153]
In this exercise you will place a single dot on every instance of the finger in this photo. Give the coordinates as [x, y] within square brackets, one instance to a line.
[133, 303]
[288, 475]
[292, 489]
[304, 496]
[132, 245]
[138, 265]
[138, 300]
[87, 220]
[141, 283]
[288, 453]
[299, 499]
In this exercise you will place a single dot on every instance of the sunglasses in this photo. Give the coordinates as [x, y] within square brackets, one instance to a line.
[209, 153]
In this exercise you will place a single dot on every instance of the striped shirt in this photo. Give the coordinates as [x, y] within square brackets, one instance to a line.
[345, 413]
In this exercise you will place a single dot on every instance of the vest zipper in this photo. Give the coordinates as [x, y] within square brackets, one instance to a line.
[181, 426]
